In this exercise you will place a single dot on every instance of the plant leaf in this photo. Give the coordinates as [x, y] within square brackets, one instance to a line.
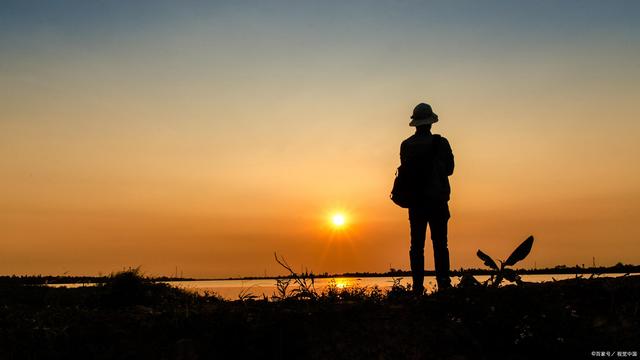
[488, 261]
[510, 274]
[520, 252]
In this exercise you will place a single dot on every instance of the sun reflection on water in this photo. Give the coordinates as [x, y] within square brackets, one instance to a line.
[342, 283]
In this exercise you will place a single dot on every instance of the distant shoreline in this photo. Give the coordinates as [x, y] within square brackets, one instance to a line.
[558, 270]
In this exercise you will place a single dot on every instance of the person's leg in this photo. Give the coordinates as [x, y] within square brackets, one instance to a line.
[438, 227]
[418, 223]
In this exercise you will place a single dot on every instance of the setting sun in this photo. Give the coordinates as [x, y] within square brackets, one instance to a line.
[338, 220]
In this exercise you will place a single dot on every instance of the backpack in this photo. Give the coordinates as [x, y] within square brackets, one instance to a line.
[406, 192]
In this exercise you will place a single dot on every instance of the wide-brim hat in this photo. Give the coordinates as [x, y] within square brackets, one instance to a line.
[423, 115]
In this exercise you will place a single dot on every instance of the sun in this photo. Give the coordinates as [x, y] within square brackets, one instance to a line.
[338, 220]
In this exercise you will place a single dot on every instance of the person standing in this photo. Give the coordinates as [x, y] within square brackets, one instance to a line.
[429, 160]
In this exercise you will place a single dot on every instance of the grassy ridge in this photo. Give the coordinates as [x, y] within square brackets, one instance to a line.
[130, 317]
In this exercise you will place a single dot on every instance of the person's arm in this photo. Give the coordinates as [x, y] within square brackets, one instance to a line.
[403, 153]
[446, 154]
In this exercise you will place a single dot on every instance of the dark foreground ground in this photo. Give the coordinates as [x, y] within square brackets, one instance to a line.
[129, 318]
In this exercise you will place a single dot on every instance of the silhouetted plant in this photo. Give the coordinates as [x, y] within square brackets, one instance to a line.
[282, 285]
[468, 281]
[398, 290]
[131, 287]
[305, 281]
[246, 294]
[502, 272]
[126, 287]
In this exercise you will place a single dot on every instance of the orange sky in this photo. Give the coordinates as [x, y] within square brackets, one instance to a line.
[206, 140]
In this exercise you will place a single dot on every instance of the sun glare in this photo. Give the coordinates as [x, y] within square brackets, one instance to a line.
[338, 220]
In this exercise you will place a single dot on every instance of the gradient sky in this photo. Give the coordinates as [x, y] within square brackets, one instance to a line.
[205, 136]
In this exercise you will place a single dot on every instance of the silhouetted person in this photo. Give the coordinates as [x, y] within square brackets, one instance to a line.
[430, 159]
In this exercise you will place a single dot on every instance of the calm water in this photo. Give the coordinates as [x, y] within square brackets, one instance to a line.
[230, 289]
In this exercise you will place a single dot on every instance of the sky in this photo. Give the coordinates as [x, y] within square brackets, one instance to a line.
[205, 136]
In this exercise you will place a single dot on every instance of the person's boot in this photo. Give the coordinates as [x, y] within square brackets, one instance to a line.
[417, 287]
[444, 283]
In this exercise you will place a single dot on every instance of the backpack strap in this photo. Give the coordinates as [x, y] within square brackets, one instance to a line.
[434, 144]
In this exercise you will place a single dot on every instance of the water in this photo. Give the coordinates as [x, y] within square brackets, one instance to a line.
[230, 289]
